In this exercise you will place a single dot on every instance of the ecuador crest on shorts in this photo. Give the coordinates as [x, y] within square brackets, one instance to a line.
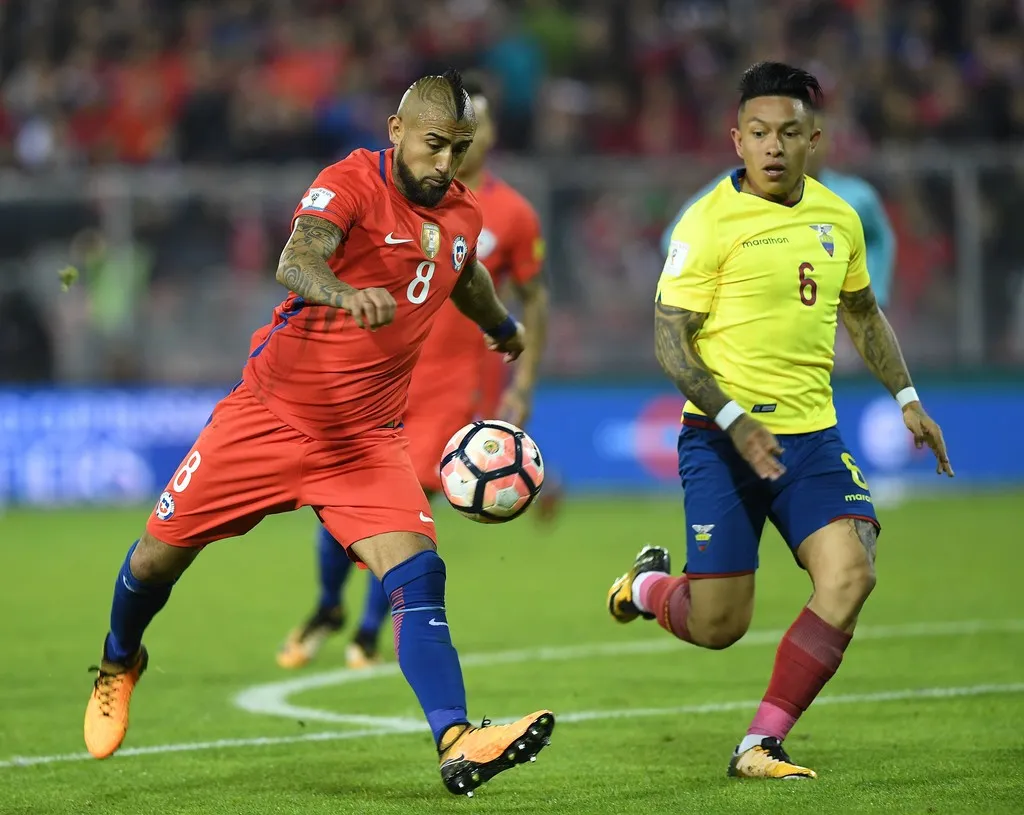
[430, 240]
[460, 249]
[825, 236]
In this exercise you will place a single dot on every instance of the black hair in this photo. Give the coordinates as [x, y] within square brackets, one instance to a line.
[779, 79]
[458, 88]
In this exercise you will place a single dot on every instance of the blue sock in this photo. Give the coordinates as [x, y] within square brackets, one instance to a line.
[423, 642]
[135, 605]
[374, 611]
[334, 568]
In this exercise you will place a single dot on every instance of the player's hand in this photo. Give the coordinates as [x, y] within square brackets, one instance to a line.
[514, 407]
[927, 432]
[371, 308]
[513, 346]
[758, 446]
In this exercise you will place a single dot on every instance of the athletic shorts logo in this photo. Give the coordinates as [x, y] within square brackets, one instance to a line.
[165, 507]
[702, 533]
[460, 249]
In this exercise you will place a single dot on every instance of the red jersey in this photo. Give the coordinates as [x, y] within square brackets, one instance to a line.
[511, 247]
[313, 367]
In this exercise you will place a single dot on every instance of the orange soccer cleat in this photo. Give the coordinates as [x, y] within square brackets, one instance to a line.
[767, 760]
[479, 753]
[106, 716]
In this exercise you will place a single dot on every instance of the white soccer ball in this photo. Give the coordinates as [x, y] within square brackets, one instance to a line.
[491, 471]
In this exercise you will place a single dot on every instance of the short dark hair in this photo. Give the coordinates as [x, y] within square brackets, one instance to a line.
[458, 88]
[779, 79]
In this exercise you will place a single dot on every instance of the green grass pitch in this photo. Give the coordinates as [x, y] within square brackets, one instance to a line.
[647, 724]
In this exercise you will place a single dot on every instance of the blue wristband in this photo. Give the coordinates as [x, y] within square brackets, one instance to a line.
[504, 330]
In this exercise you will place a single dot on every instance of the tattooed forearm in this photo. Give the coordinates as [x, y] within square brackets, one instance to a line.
[303, 265]
[475, 297]
[674, 333]
[874, 339]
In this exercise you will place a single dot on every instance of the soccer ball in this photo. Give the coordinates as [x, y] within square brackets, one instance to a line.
[491, 471]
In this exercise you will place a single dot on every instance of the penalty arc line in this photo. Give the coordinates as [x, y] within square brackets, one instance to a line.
[582, 716]
[271, 699]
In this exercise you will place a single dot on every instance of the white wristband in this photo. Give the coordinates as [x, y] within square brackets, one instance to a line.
[728, 414]
[906, 396]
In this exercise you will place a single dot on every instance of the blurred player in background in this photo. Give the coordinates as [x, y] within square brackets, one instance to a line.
[446, 392]
[380, 242]
[858, 193]
[758, 271]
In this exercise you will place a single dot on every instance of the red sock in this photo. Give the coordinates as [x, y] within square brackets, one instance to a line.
[808, 657]
[668, 598]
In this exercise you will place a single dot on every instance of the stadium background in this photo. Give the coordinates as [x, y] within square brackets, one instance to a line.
[160, 147]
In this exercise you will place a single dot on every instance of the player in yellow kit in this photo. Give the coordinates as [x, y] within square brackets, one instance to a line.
[757, 273]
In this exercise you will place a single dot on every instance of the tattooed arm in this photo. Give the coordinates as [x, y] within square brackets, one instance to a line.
[675, 332]
[876, 342]
[303, 269]
[874, 339]
[474, 296]
[303, 265]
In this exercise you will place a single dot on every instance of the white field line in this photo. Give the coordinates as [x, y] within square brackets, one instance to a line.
[582, 716]
[259, 699]
[272, 699]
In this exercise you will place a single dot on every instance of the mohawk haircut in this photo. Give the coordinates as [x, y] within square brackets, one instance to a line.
[458, 89]
[779, 79]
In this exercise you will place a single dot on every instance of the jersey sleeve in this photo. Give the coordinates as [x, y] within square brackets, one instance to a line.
[339, 194]
[857, 277]
[526, 254]
[690, 275]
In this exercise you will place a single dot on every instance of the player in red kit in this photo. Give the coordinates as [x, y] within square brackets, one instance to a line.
[447, 385]
[380, 242]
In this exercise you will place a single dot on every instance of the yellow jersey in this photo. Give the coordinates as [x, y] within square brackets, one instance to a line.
[769, 276]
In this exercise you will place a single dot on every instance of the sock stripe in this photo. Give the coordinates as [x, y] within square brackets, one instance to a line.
[398, 611]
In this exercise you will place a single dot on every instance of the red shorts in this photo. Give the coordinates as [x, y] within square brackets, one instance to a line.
[429, 423]
[247, 464]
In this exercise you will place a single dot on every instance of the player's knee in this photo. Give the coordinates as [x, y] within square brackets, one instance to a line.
[848, 586]
[718, 630]
[154, 561]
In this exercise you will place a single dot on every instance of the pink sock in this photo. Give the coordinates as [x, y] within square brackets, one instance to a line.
[808, 657]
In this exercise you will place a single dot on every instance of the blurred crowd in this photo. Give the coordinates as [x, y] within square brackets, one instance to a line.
[173, 283]
[143, 81]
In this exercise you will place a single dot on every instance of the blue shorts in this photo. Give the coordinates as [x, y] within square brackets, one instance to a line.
[726, 504]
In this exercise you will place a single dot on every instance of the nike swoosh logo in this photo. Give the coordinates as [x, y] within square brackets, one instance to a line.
[426, 518]
[436, 623]
[391, 240]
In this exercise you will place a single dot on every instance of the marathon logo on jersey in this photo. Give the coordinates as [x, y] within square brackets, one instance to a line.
[430, 240]
[165, 507]
[317, 198]
[677, 252]
[769, 408]
[825, 236]
[460, 249]
[702, 533]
